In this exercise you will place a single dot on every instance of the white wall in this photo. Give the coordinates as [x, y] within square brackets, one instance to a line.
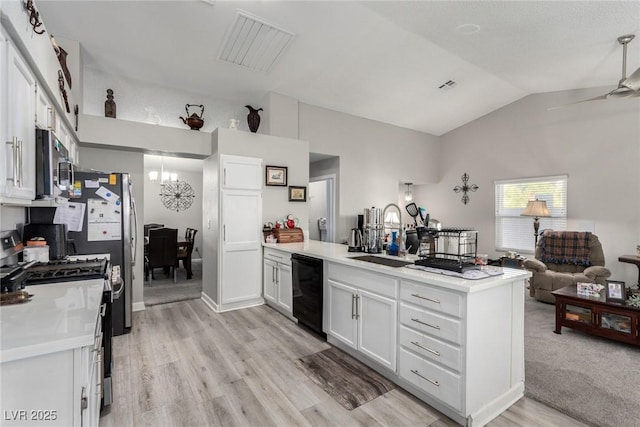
[12, 218]
[132, 163]
[156, 212]
[375, 159]
[140, 101]
[597, 144]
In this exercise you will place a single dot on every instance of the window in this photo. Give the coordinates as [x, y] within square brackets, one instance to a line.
[515, 232]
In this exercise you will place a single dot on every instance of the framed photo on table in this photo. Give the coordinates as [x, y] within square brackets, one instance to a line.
[297, 194]
[276, 175]
[615, 291]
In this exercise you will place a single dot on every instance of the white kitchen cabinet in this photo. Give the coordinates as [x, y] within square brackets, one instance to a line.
[17, 179]
[241, 173]
[45, 111]
[52, 370]
[277, 281]
[363, 312]
[239, 273]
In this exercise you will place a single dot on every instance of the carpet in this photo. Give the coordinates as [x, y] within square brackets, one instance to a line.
[592, 379]
[164, 291]
[347, 380]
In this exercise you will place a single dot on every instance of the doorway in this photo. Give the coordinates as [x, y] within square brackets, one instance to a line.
[322, 208]
[161, 209]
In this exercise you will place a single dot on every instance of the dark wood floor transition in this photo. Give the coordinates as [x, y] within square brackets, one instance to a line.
[183, 365]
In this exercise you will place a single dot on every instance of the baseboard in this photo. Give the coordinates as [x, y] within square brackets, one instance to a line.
[496, 407]
[138, 306]
[206, 299]
[240, 304]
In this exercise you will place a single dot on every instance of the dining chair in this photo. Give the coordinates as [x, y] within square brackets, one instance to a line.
[185, 250]
[162, 251]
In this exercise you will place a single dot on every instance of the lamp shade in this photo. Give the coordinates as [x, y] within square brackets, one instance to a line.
[391, 218]
[536, 208]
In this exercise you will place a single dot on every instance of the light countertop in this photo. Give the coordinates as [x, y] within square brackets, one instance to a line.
[60, 316]
[337, 253]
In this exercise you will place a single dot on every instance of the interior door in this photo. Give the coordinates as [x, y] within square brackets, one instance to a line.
[241, 245]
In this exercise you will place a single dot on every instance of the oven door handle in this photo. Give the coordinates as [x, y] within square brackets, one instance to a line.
[118, 288]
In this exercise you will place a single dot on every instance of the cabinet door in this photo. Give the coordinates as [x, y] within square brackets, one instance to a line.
[241, 172]
[342, 315]
[241, 245]
[44, 110]
[5, 150]
[285, 288]
[269, 280]
[377, 316]
[20, 142]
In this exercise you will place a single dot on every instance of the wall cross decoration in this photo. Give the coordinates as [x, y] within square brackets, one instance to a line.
[177, 195]
[465, 188]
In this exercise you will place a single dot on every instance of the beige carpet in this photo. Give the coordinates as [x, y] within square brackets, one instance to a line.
[162, 290]
[592, 379]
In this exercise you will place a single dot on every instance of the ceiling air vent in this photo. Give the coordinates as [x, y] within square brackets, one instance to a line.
[253, 43]
[449, 84]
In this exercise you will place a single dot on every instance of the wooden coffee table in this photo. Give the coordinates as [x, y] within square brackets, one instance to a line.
[595, 316]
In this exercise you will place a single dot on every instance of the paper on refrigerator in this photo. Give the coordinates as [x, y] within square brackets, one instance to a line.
[104, 220]
[71, 214]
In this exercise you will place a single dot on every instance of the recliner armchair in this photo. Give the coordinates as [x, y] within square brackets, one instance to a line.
[564, 258]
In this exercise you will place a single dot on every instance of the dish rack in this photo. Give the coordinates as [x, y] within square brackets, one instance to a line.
[455, 250]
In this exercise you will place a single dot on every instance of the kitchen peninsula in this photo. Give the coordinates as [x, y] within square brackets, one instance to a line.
[456, 343]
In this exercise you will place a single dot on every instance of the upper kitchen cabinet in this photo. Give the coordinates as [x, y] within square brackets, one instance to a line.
[17, 176]
[39, 55]
[241, 173]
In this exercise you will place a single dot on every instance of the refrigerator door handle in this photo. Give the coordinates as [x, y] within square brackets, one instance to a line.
[134, 231]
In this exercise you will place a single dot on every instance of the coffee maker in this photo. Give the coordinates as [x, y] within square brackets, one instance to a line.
[373, 236]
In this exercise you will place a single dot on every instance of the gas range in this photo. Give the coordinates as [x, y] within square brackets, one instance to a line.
[17, 277]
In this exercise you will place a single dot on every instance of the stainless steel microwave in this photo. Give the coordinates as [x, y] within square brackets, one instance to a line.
[54, 171]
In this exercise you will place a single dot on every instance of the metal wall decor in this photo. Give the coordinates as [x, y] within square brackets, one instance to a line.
[465, 188]
[177, 195]
[63, 91]
[34, 17]
[110, 105]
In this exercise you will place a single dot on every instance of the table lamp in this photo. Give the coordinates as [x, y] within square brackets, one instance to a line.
[537, 209]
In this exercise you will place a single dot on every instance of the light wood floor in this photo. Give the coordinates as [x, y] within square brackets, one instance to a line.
[183, 365]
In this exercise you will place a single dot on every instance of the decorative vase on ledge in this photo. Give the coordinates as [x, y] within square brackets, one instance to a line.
[253, 119]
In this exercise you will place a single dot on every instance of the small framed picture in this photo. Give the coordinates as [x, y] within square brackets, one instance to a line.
[297, 194]
[615, 291]
[276, 175]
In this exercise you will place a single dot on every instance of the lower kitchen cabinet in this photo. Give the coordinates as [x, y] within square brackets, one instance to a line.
[361, 318]
[277, 282]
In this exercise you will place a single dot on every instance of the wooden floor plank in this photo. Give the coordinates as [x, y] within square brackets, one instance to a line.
[183, 364]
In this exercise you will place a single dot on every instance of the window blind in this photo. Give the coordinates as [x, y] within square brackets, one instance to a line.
[515, 232]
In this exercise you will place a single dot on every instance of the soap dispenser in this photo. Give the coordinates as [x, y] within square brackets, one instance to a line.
[393, 246]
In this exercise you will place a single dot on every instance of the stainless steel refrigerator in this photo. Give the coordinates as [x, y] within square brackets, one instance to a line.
[101, 218]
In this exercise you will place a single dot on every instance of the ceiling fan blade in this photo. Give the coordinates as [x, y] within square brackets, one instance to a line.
[633, 81]
[597, 98]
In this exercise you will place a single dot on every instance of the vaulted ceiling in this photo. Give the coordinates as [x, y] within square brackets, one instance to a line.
[382, 60]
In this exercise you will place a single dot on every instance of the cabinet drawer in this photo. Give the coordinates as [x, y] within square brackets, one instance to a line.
[431, 323]
[432, 298]
[433, 380]
[277, 256]
[431, 348]
[373, 282]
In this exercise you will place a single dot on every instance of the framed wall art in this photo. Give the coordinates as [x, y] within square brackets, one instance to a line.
[297, 194]
[276, 175]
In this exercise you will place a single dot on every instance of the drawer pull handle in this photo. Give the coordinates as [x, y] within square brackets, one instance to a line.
[426, 324]
[437, 353]
[437, 301]
[435, 383]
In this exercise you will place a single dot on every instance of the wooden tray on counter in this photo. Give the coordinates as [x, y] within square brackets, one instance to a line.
[288, 235]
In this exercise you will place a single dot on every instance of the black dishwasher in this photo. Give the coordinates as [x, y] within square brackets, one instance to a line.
[307, 291]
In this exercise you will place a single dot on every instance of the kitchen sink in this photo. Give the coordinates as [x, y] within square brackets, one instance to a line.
[380, 260]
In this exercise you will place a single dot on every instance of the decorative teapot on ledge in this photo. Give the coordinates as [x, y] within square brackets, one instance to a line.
[194, 121]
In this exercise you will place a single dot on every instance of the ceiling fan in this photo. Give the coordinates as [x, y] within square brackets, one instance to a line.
[628, 87]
